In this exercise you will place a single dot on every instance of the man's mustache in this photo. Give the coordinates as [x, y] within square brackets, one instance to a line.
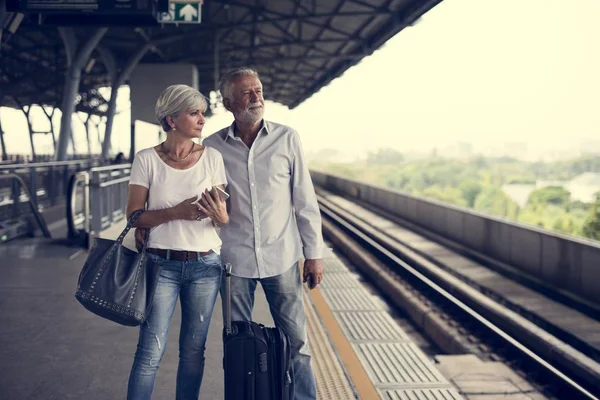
[256, 104]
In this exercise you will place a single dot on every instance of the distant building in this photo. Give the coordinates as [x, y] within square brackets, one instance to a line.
[460, 150]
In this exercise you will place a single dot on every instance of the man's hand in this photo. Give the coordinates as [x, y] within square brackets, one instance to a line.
[313, 272]
[139, 238]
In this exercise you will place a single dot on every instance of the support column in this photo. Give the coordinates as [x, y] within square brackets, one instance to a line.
[49, 116]
[26, 110]
[2, 16]
[87, 135]
[98, 131]
[132, 148]
[72, 141]
[77, 60]
[118, 81]
[4, 154]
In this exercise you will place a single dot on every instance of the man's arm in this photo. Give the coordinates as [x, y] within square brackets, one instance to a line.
[308, 216]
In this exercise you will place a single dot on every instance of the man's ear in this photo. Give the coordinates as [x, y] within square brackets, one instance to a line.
[227, 104]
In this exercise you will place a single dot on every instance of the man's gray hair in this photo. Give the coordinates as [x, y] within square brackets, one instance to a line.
[175, 100]
[225, 84]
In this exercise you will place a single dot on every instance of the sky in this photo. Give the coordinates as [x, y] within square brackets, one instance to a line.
[492, 73]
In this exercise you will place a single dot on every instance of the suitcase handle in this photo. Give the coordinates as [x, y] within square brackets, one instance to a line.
[227, 304]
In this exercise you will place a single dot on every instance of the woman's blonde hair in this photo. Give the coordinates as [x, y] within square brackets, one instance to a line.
[175, 100]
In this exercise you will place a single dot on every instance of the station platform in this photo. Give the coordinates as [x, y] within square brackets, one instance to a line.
[52, 348]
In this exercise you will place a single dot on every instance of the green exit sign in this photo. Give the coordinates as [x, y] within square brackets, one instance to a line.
[189, 12]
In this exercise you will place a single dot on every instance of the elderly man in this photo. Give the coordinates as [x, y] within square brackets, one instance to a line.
[274, 217]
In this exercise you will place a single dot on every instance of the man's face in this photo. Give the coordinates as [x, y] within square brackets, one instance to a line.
[247, 103]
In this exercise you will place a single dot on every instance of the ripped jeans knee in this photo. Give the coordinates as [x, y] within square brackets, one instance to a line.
[150, 349]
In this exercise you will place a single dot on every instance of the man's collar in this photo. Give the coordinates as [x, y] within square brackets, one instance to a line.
[231, 130]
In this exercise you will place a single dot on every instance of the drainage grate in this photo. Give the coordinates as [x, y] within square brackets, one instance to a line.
[420, 394]
[399, 364]
[350, 300]
[332, 383]
[370, 326]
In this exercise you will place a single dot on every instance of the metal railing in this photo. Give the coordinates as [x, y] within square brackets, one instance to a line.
[46, 181]
[108, 195]
[103, 202]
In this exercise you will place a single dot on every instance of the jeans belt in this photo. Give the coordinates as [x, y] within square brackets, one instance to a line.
[179, 255]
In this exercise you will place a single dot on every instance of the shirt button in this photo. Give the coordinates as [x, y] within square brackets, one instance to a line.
[254, 206]
[252, 184]
[258, 249]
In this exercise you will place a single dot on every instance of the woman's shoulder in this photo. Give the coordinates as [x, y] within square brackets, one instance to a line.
[145, 152]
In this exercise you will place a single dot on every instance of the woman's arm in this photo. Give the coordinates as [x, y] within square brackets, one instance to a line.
[137, 197]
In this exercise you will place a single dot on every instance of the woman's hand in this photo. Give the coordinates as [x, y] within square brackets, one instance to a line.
[214, 207]
[189, 210]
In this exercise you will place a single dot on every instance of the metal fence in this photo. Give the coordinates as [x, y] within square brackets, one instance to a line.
[44, 184]
[97, 199]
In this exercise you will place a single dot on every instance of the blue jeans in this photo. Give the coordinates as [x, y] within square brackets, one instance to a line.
[197, 283]
[284, 294]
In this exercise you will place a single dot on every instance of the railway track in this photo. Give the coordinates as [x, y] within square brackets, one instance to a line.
[555, 365]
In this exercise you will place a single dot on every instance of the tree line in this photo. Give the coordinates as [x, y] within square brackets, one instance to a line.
[477, 183]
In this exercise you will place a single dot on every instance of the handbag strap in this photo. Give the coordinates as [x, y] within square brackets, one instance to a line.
[130, 221]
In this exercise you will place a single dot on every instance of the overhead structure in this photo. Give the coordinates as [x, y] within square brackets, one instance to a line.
[298, 46]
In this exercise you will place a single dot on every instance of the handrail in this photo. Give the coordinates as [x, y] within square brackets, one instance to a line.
[44, 164]
[114, 182]
[110, 167]
[38, 216]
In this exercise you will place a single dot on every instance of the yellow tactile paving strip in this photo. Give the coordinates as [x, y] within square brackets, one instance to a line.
[331, 380]
[361, 381]
[332, 337]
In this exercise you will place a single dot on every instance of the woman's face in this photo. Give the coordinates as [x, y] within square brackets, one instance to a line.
[190, 123]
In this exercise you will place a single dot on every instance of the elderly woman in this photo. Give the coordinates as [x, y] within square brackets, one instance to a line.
[176, 180]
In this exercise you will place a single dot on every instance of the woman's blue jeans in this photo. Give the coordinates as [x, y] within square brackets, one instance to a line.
[197, 283]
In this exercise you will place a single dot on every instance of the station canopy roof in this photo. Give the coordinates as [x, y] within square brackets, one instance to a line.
[297, 46]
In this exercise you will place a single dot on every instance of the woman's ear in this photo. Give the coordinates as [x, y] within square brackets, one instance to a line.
[170, 122]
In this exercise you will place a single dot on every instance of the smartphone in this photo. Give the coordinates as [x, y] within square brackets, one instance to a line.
[223, 194]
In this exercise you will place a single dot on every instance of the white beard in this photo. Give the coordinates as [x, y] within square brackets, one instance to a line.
[251, 116]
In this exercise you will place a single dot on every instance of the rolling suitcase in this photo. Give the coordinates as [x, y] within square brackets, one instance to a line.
[256, 359]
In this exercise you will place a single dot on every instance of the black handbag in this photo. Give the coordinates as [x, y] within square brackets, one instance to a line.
[117, 283]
